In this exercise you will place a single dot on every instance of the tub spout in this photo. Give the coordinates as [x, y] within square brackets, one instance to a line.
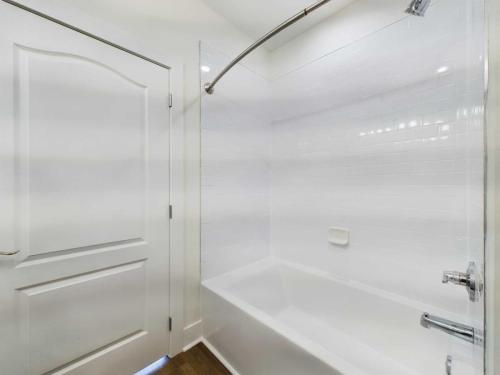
[459, 330]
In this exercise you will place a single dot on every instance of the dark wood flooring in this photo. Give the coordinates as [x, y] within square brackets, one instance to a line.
[196, 361]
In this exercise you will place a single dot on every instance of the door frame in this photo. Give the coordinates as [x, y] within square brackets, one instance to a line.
[492, 258]
[117, 39]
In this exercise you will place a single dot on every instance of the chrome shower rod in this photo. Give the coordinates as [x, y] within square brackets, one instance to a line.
[209, 86]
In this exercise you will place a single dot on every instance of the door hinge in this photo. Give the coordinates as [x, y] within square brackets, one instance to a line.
[170, 100]
[170, 212]
[170, 324]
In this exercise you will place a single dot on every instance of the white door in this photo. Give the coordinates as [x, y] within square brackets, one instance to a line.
[84, 196]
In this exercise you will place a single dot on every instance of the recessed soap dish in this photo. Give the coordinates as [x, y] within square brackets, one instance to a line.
[338, 236]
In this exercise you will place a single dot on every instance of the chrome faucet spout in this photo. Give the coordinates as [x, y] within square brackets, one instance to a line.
[459, 330]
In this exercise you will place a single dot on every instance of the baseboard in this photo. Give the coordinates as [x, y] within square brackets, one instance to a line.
[192, 335]
[219, 356]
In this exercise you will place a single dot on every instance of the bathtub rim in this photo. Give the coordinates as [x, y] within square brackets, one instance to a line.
[220, 285]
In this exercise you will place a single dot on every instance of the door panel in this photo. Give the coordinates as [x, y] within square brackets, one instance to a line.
[101, 133]
[62, 311]
[84, 191]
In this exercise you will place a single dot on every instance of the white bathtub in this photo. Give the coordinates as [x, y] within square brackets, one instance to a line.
[278, 318]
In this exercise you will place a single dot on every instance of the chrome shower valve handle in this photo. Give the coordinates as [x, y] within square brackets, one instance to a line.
[470, 280]
[457, 278]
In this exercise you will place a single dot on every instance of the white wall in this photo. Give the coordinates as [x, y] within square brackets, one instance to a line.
[167, 30]
[352, 23]
[375, 139]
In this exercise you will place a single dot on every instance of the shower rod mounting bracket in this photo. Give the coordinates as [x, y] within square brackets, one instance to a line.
[209, 88]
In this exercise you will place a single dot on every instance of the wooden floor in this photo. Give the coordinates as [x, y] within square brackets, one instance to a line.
[196, 361]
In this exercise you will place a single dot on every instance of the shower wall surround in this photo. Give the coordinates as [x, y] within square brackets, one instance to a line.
[236, 149]
[383, 137]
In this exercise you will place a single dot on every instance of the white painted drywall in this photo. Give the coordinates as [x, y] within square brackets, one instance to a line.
[258, 17]
[351, 23]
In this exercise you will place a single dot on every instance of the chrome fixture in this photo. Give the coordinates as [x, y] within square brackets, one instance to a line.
[418, 7]
[448, 364]
[9, 252]
[461, 331]
[209, 87]
[470, 279]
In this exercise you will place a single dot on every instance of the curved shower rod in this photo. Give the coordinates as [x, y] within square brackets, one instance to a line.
[209, 86]
[416, 8]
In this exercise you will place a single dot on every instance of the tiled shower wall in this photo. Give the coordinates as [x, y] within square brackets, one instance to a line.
[235, 151]
[384, 138]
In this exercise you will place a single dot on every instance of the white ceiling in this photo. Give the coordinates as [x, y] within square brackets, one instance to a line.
[257, 17]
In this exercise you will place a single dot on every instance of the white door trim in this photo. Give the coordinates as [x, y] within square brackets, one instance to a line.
[177, 202]
[82, 24]
[492, 257]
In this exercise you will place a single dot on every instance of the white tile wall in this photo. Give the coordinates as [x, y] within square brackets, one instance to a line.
[383, 137]
[236, 141]
[378, 139]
